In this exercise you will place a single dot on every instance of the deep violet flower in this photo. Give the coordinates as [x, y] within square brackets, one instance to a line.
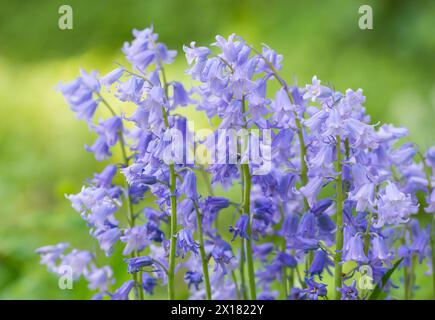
[193, 278]
[240, 227]
[349, 292]
[135, 264]
[148, 283]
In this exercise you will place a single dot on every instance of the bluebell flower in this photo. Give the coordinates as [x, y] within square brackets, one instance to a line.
[148, 283]
[193, 278]
[135, 239]
[296, 294]
[221, 253]
[281, 152]
[100, 278]
[144, 50]
[267, 295]
[100, 149]
[282, 109]
[263, 210]
[50, 255]
[108, 133]
[355, 251]
[361, 134]
[90, 80]
[111, 128]
[196, 54]
[316, 121]
[123, 291]
[104, 179]
[314, 289]
[289, 226]
[189, 186]
[272, 57]
[421, 240]
[186, 211]
[135, 175]
[307, 227]
[349, 292]
[112, 77]
[321, 206]
[210, 208]
[387, 133]
[262, 251]
[287, 260]
[430, 156]
[275, 269]
[379, 249]
[394, 207]
[431, 203]
[131, 89]
[78, 261]
[320, 262]
[315, 90]
[312, 189]
[364, 197]
[153, 232]
[185, 242]
[107, 238]
[240, 228]
[80, 98]
[137, 263]
[137, 192]
[180, 97]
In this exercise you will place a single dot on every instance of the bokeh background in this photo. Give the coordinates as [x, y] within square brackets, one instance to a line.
[41, 143]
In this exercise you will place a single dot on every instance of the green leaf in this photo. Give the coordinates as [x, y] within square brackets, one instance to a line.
[378, 289]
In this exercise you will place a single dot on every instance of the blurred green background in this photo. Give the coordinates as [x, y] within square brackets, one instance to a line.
[41, 143]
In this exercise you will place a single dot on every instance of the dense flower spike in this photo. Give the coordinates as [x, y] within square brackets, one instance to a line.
[321, 185]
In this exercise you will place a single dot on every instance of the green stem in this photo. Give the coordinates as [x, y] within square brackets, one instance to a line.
[409, 284]
[405, 273]
[247, 210]
[285, 282]
[173, 199]
[406, 282]
[242, 269]
[367, 235]
[412, 275]
[233, 274]
[339, 233]
[202, 252]
[172, 250]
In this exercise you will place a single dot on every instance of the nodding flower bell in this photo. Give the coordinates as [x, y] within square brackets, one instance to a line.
[240, 228]
[136, 264]
[355, 250]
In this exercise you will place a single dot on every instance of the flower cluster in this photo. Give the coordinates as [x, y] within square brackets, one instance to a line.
[341, 194]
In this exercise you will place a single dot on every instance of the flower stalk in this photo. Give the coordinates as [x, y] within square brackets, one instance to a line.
[247, 210]
[338, 272]
[202, 252]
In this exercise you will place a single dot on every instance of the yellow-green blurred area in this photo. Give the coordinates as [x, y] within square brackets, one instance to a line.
[41, 143]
